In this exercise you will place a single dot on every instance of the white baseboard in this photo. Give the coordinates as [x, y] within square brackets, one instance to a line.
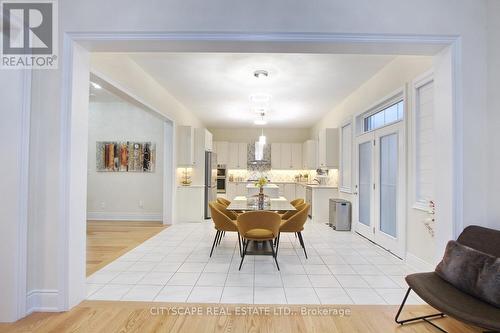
[42, 300]
[113, 216]
[419, 264]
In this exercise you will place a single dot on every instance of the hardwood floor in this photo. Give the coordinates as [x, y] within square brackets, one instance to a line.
[108, 240]
[93, 316]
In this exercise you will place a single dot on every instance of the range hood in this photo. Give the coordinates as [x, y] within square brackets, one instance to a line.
[254, 158]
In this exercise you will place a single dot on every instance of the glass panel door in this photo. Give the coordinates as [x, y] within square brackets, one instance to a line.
[388, 183]
[364, 196]
[365, 182]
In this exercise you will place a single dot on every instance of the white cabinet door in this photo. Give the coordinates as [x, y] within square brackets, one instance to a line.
[276, 155]
[300, 191]
[231, 191]
[208, 141]
[222, 152]
[309, 155]
[289, 191]
[296, 156]
[242, 189]
[232, 162]
[286, 156]
[328, 147]
[242, 155]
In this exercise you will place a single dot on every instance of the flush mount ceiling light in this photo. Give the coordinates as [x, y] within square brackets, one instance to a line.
[95, 85]
[261, 74]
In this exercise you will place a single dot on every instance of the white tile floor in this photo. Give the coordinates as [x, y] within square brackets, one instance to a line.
[174, 266]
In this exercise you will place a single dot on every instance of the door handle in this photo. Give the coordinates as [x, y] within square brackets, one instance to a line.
[355, 193]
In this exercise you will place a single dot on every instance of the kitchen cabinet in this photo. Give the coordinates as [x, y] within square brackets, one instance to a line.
[221, 148]
[189, 203]
[300, 191]
[242, 155]
[289, 191]
[237, 156]
[328, 148]
[309, 152]
[276, 156]
[185, 146]
[296, 156]
[208, 140]
[236, 189]
[286, 156]
[319, 197]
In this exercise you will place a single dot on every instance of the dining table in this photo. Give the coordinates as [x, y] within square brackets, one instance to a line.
[243, 203]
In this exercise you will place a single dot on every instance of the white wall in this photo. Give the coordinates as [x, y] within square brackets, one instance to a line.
[117, 195]
[12, 184]
[465, 19]
[250, 135]
[491, 148]
[392, 77]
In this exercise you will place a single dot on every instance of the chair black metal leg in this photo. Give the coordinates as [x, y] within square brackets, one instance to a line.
[301, 240]
[239, 243]
[277, 240]
[274, 254]
[215, 240]
[424, 318]
[245, 246]
[219, 239]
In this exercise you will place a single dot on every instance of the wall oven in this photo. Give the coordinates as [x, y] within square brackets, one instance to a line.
[221, 178]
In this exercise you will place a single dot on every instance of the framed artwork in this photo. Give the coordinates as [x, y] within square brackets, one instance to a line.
[128, 156]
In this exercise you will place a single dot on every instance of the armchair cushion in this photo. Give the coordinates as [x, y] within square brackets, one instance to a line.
[472, 271]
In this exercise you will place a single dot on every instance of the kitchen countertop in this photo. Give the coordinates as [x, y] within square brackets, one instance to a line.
[291, 182]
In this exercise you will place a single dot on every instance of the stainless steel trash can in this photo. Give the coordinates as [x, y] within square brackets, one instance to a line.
[340, 214]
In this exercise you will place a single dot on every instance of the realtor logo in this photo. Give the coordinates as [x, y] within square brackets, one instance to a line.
[29, 34]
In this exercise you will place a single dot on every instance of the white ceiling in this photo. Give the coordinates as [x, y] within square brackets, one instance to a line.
[217, 86]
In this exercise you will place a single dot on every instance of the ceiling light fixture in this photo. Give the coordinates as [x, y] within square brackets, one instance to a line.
[260, 98]
[261, 73]
[260, 121]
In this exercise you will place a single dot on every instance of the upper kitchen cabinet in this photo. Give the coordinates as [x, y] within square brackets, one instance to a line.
[237, 156]
[208, 140]
[309, 155]
[185, 146]
[286, 156]
[328, 148]
[276, 155]
[221, 148]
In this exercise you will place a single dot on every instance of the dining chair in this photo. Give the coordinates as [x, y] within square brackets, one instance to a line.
[223, 201]
[222, 222]
[296, 202]
[295, 224]
[259, 226]
[288, 214]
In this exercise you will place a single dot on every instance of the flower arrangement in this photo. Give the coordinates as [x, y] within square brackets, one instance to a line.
[261, 182]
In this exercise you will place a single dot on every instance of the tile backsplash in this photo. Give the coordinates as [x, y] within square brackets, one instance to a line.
[281, 175]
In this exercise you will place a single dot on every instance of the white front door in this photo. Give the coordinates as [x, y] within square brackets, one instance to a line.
[380, 187]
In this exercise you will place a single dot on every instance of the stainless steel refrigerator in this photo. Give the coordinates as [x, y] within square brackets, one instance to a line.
[210, 180]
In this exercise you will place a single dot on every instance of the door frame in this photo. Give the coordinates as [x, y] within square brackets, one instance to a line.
[76, 43]
[400, 93]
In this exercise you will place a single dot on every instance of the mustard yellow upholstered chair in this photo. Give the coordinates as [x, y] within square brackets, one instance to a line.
[294, 203]
[291, 213]
[297, 202]
[222, 222]
[223, 201]
[295, 224]
[260, 226]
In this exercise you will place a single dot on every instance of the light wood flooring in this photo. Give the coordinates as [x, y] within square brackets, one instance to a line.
[94, 316]
[108, 240]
